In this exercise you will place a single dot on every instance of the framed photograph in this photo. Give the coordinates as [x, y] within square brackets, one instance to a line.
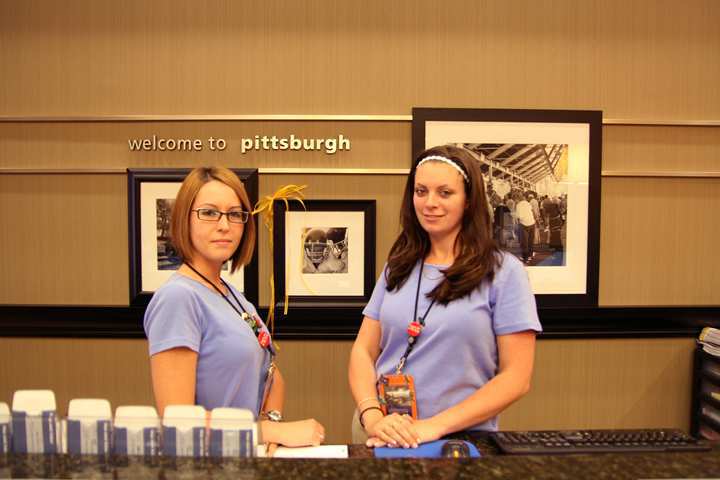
[151, 195]
[324, 257]
[542, 176]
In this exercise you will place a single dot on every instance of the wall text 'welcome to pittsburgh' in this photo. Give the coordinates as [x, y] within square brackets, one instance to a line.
[156, 143]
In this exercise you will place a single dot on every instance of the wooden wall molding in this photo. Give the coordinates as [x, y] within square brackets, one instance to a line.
[344, 171]
[126, 322]
[652, 122]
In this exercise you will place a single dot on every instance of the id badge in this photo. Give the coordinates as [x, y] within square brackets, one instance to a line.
[397, 393]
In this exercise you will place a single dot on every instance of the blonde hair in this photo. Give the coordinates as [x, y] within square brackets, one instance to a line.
[180, 218]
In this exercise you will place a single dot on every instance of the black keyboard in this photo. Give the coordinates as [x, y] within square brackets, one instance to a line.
[596, 441]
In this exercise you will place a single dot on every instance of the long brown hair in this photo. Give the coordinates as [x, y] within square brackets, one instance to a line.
[180, 217]
[478, 255]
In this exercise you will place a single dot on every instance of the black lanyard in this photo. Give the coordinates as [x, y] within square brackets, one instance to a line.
[412, 340]
[251, 322]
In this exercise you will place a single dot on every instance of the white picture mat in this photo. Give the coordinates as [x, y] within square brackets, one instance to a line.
[570, 278]
[152, 278]
[326, 284]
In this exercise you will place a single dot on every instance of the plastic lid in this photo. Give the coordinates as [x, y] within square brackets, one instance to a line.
[184, 416]
[89, 407]
[33, 402]
[136, 415]
[135, 411]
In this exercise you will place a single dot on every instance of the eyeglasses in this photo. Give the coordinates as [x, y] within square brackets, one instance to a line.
[212, 215]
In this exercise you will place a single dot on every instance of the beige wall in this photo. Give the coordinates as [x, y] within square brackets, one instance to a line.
[647, 59]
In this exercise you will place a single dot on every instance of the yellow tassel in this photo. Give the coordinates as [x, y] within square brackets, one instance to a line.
[288, 192]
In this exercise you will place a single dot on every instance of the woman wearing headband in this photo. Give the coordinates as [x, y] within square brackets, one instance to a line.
[207, 343]
[448, 338]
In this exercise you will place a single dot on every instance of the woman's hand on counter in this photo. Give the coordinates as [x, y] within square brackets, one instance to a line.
[394, 430]
[300, 433]
[422, 431]
[428, 430]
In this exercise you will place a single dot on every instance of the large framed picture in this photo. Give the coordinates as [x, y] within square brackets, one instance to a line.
[542, 176]
[324, 256]
[151, 195]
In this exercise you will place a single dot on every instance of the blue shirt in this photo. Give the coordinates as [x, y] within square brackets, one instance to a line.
[231, 365]
[456, 353]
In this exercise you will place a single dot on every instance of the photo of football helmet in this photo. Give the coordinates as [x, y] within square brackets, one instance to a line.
[316, 246]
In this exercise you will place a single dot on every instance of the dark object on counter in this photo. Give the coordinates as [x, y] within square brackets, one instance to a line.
[455, 449]
[597, 441]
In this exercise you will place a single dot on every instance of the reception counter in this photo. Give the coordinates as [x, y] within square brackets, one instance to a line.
[361, 464]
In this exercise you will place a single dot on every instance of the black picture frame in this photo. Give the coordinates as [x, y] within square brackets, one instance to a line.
[315, 312]
[136, 178]
[476, 127]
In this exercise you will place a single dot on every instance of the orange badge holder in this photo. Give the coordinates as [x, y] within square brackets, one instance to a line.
[397, 394]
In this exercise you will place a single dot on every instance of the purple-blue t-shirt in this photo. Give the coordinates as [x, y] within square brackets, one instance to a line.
[231, 364]
[456, 353]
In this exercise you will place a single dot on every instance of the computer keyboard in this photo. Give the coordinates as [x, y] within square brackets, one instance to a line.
[596, 441]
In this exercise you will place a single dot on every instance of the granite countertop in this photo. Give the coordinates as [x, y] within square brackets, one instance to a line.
[363, 465]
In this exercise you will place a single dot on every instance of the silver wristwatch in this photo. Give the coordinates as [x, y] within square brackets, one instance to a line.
[274, 415]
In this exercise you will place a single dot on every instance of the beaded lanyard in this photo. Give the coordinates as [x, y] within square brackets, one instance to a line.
[262, 336]
[415, 327]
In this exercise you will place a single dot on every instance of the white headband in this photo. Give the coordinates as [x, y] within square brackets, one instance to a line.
[438, 158]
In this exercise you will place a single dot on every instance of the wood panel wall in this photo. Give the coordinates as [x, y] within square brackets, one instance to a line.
[646, 58]
[64, 236]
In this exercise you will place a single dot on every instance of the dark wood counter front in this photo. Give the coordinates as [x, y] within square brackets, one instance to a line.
[363, 465]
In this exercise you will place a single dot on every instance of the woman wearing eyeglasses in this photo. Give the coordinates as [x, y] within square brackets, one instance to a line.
[208, 346]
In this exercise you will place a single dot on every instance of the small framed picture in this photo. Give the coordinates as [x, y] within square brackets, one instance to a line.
[324, 254]
[542, 177]
[151, 195]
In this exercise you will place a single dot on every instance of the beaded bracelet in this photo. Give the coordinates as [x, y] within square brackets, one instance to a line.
[360, 417]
